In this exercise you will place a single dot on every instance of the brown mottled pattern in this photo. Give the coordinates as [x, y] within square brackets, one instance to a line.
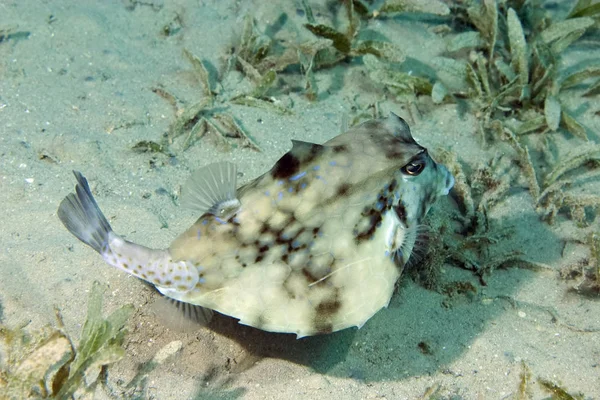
[312, 248]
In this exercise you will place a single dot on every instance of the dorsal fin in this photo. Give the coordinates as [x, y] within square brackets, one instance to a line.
[399, 128]
[301, 153]
[212, 189]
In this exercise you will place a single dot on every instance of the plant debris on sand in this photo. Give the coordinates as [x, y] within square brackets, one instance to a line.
[46, 364]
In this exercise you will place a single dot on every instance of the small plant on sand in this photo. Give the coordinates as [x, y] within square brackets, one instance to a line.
[207, 116]
[514, 55]
[586, 272]
[45, 364]
[465, 235]
[469, 238]
[338, 37]
[513, 75]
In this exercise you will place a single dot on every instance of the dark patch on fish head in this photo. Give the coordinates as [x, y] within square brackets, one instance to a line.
[373, 219]
[392, 185]
[395, 148]
[372, 214]
[392, 138]
[400, 210]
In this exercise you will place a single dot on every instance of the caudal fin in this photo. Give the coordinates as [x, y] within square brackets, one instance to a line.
[80, 214]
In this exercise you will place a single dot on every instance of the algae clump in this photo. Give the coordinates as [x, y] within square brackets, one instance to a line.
[46, 364]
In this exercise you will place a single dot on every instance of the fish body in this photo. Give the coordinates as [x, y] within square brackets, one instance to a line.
[313, 246]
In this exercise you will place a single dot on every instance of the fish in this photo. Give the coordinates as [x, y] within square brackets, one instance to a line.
[315, 245]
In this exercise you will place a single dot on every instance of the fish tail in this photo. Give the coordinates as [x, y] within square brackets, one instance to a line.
[80, 214]
[82, 217]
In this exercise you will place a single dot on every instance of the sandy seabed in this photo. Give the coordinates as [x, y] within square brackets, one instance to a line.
[76, 93]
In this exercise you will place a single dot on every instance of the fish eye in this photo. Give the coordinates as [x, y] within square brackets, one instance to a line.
[413, 168]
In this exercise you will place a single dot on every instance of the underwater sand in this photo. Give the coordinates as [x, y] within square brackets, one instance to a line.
[76, 93]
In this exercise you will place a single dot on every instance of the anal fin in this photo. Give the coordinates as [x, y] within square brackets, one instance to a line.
[181, 316]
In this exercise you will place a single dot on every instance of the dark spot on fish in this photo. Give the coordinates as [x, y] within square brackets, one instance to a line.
[341, 148]
[374, 213]
[400, 210]
[308, 275]
[279, 239]
[287, 166]
[325, 312]
[125, 265]
[168, 283]
[374, 220]
[323, 328]
[328, 308]
[264, 229]
[392, 185]
[295, 245]
[343, 189]
[395, 147]
[302, 153]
